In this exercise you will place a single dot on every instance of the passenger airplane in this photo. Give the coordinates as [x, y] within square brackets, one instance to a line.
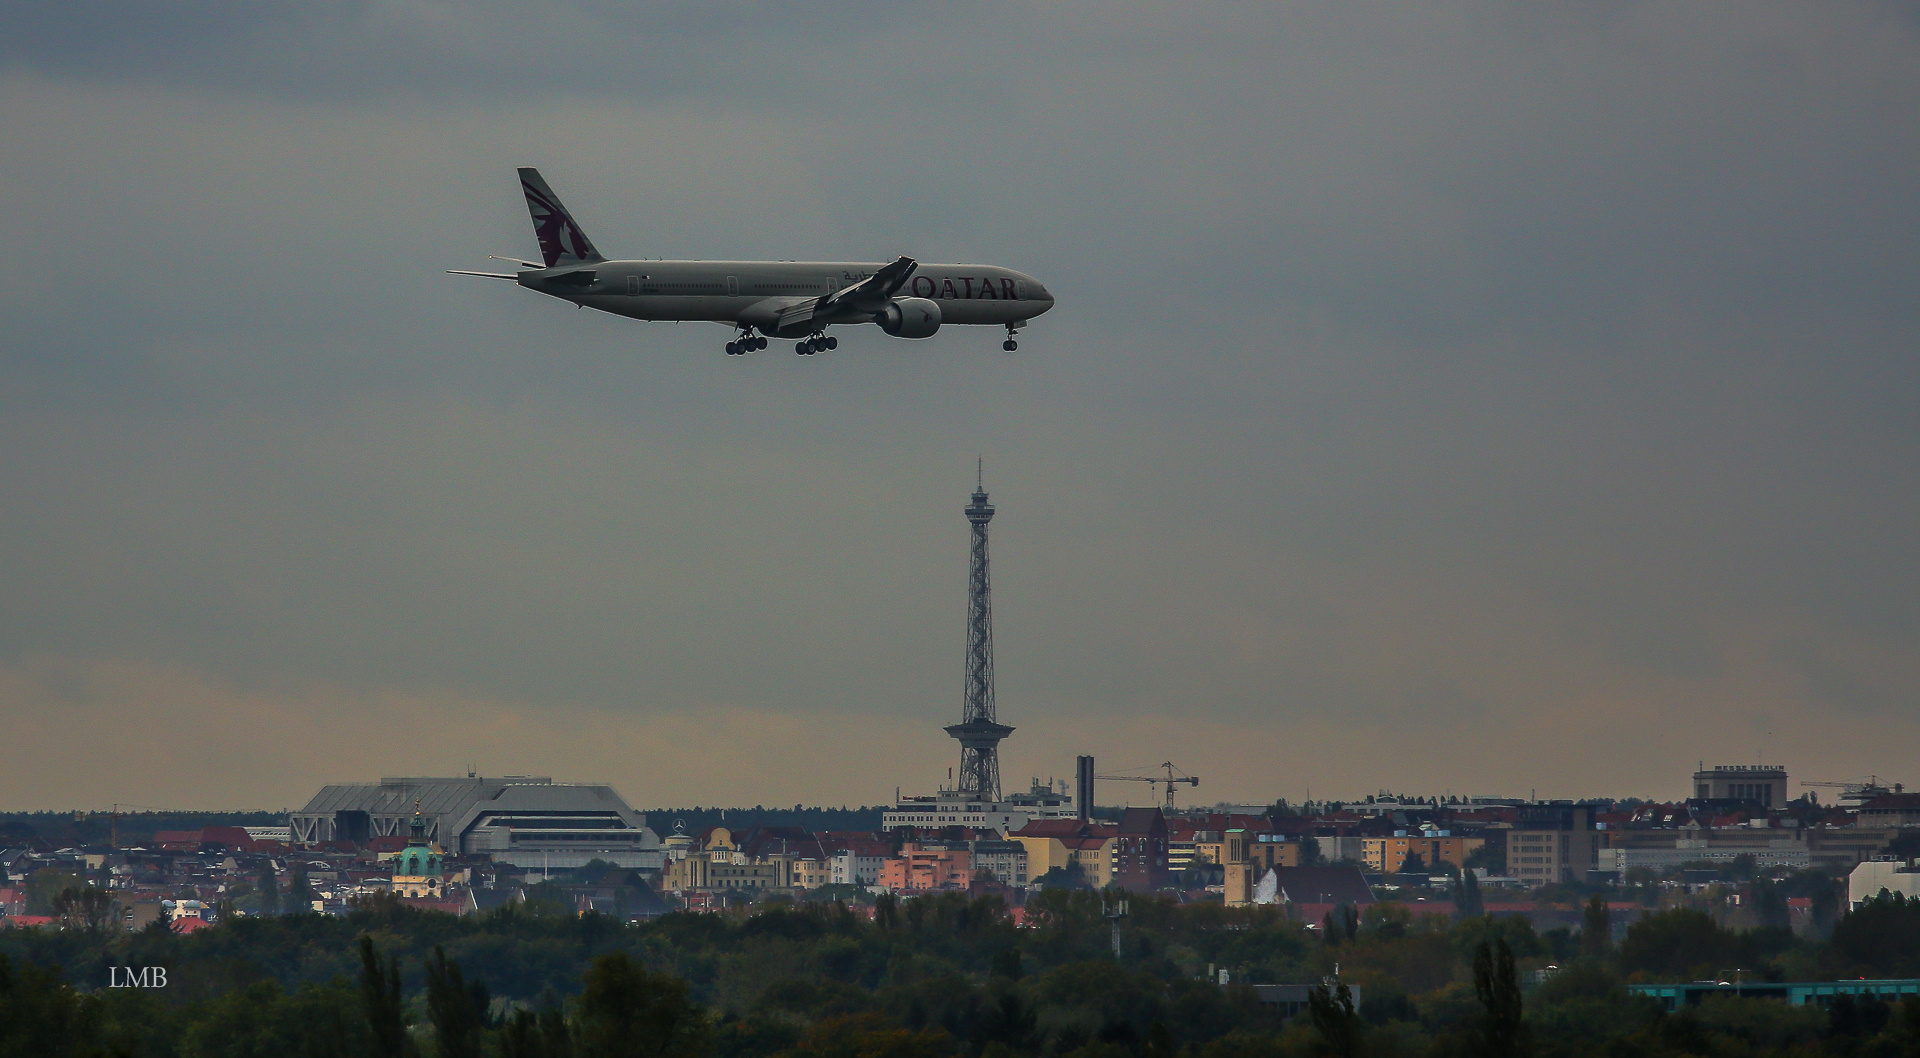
[770, 299]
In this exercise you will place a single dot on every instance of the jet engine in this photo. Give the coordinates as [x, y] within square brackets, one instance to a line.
[909, 317]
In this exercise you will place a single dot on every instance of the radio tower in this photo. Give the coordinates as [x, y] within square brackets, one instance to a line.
[978, 731]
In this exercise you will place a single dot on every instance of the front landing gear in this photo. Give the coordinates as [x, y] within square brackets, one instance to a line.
[1012, 329]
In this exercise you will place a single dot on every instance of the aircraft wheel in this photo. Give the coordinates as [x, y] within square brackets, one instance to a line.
[759, 343]
[801, 349]
[733, 348]
[1010, 345]
[833, 343]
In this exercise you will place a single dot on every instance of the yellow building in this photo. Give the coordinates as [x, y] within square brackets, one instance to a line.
[702, 870]
[1270, 851]
[811, 874]
[1389, 855]
[1056, 843]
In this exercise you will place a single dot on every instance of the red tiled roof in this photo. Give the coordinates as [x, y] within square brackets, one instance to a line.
[232, 837]
[27, 920]
[1051, 828]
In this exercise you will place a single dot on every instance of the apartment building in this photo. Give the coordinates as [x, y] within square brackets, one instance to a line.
[1389, 855]
[1552, 843]
[918, 869]
[1057, 843]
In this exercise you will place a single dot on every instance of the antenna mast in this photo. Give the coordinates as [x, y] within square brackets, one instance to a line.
[979, 731]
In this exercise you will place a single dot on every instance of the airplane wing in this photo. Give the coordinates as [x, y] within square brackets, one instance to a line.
[795, 314]
[854, 303]
[870, 292]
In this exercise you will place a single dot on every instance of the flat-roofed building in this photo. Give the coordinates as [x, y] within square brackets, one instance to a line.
[1389, 855]
[528, 821]
[1891, 810]
[1552, 843]
[1762, 784]
[1873, 877]
[918, 869]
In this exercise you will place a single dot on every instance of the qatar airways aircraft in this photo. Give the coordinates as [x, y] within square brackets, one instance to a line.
[770, 299]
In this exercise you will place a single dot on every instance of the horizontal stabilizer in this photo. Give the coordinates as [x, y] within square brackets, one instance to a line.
[486, 275]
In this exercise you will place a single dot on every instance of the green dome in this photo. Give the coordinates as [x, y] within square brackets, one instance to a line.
[417, 861]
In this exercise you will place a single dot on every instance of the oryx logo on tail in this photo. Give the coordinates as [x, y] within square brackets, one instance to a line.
[561, 240]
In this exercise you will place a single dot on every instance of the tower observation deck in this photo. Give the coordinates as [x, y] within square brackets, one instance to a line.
[979, 731]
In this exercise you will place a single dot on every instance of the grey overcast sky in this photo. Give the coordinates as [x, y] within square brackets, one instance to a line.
[1444, 398]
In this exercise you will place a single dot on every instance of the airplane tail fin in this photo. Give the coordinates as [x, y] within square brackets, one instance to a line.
[561, 240]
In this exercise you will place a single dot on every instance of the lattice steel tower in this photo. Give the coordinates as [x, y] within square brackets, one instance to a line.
[978, 731]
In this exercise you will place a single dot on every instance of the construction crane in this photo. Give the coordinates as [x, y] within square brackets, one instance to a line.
[1173, 777]
[1857, 790]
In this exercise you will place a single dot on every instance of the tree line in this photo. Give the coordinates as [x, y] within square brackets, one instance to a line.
[940, 976]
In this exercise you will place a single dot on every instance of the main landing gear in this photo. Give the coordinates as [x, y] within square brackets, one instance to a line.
[748, 342]
[816, 343]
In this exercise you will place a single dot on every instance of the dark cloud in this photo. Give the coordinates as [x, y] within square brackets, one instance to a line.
[1430, 374]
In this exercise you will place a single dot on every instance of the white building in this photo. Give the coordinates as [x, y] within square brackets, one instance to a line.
[850, 867]
[1790, 854]
[1895, 876]
[951, 808]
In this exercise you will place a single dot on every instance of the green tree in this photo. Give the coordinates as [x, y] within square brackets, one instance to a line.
[625, 1011]
[458, 1009]
[380, 997]
[869, 1036]
[1336, 1023]
[1678, 943]
[1501, 1032]
[300, 894]
[1310, 854]
[83, 908]
[1880, 938]
[1596, 930]
[1488, 857]
[45, 884]
[1341, 925]
[536, 1035]
[1413, 864]
[1770, 905]
[1072, 876]
[40, 1015]
[268, 888]
[1467, 902]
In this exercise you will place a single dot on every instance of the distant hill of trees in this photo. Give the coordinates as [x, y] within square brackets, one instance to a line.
[663, 820]
[68, 829]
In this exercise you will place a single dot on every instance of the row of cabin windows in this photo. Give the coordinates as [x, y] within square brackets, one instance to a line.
[637, 285]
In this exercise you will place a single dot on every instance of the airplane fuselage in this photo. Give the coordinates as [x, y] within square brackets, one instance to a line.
[756, 292]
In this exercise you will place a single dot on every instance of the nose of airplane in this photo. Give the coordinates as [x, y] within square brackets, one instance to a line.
[1039, 293]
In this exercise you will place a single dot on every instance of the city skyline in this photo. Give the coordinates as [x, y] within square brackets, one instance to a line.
[1522, 399]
